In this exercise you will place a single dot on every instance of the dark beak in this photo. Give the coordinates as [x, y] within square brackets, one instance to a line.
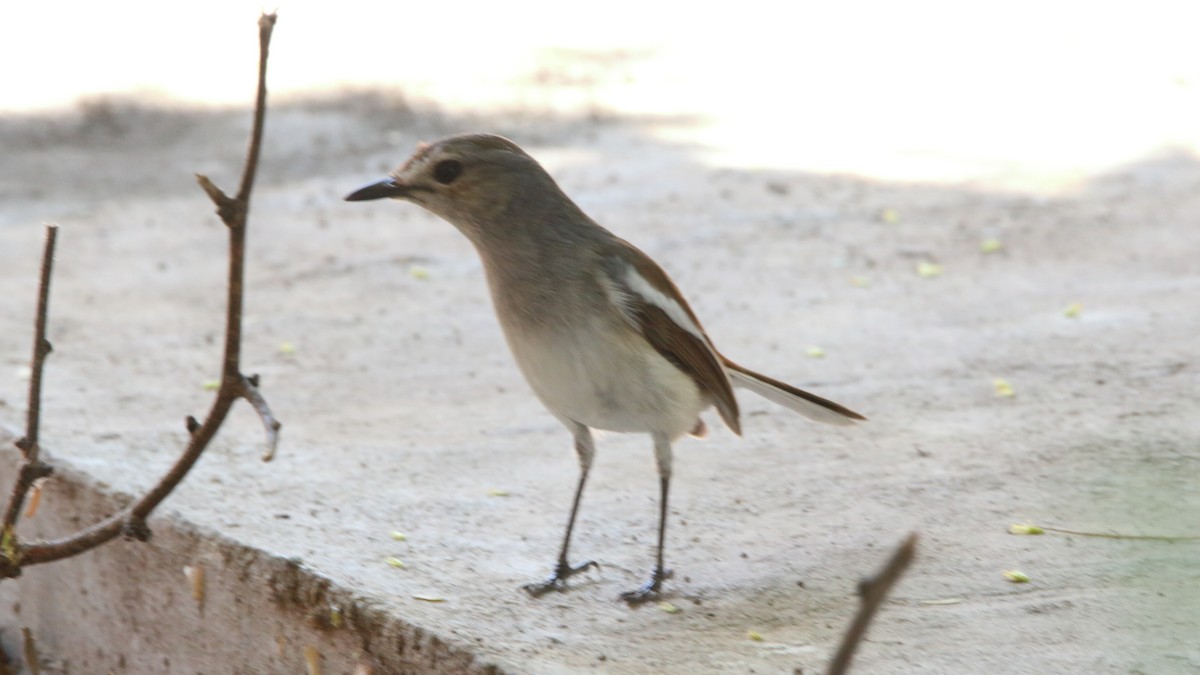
[378, 190]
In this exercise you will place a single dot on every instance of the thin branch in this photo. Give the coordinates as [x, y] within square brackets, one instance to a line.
[132, 520]
[32, 468]
[271, 425]
[32, 661]
[234, 211]
[871, 594]
[266, 25]
[41, 349]
[1114, 535]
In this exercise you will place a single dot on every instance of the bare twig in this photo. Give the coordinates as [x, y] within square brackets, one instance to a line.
[41, 349]
[251, 393]
[132, 520]
[32, 468]
[1114, 535]
[266, 24]
[233, 212]
[871, 594]
[32, 661]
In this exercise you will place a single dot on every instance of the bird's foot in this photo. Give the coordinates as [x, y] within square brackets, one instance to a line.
[650, 590]
[558, 580]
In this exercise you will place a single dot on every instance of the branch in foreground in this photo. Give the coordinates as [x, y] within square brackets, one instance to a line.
[32, 661]
[234, 385]
[32, 467]
[271, 425]
[871, 593]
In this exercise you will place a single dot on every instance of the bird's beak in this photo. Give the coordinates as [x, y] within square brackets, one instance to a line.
[388, 187]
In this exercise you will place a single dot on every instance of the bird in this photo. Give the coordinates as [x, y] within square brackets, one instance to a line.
[600, 332]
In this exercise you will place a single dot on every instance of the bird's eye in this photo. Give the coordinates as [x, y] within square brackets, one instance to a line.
[447, 171]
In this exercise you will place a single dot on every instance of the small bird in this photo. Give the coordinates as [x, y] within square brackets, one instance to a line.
[600, 332]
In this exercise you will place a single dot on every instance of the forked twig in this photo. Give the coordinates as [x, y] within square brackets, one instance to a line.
[871, 593]
[131, 521]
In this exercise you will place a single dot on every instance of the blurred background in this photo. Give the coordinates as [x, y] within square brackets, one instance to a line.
[1031, 95]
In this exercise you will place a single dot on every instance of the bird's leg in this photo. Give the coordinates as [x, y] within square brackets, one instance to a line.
[651, 589]
[557, 581]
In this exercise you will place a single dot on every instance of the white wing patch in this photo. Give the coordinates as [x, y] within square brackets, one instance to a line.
[662, 318]
[633, 283]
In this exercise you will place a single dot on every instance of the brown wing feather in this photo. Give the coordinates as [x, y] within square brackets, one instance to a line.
[692, 354]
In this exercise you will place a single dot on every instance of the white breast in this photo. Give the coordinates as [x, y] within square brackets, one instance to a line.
[609, 379]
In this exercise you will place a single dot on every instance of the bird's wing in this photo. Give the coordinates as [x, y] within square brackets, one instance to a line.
[652, 304]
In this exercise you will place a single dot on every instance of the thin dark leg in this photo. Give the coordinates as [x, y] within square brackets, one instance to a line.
[664, 489]
[557, 581]
[651, 590]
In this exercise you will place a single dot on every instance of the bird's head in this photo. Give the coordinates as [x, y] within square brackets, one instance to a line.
[474, 181]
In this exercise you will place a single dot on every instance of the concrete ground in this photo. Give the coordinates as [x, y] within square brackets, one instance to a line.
[402, 411]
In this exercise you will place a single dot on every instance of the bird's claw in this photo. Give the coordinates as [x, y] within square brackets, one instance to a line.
[651, 590]
[558, 580]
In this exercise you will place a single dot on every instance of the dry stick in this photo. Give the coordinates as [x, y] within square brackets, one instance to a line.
[871, 593]
[132, 520]
[233, 212]
[272, 425]
[1113, 535]
[32, 468]
[32, 661]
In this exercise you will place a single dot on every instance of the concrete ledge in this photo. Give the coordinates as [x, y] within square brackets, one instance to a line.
[128, 607]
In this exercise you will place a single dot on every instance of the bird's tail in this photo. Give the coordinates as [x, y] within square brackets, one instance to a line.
[808, 405]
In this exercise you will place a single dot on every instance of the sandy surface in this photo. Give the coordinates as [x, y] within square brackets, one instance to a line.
[402, 409]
